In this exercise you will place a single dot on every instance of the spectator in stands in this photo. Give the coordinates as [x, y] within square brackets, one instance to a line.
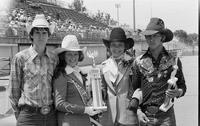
[116, 79]
[21, 18]
[30, 88]
[11, 31]
[154, 71]
[71, 98]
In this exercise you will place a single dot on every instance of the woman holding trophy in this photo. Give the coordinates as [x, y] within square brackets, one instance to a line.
[116, 81]
[71, 98]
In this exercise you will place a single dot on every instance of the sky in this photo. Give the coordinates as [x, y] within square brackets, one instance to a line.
[177, 14]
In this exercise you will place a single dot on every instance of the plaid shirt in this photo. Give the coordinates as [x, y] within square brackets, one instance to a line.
[30, 78]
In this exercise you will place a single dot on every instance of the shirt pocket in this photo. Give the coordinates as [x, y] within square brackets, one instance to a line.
[30, 77]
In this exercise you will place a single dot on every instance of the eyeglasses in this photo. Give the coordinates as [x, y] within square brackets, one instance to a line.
[152, 36]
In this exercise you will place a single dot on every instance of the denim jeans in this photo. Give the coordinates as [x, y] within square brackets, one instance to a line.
[161, 119]
[27, 118]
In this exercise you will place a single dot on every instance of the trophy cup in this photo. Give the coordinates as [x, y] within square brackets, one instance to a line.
[169, 102]
[95, 83]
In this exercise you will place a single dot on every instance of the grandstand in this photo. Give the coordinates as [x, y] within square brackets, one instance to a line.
[67, 21]
[64, 13]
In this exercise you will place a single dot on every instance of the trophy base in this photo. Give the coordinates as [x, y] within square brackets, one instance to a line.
[102, 108]
[164, 107]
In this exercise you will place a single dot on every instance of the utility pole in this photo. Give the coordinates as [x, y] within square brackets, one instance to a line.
[117, 6]
[134, 15]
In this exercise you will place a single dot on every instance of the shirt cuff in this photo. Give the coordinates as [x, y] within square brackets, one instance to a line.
[138, 94]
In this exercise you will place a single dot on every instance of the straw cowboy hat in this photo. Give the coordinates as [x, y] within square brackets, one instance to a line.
[40, 22]
[70, 43]
[118, 34]
[157, 25]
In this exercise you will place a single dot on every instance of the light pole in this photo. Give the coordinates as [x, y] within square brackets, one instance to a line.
[117, 6]
[134, 15]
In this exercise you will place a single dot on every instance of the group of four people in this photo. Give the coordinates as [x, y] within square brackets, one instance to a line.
[48, 88]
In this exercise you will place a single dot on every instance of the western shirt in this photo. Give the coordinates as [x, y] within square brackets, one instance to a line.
[151, 76]
[30, 78]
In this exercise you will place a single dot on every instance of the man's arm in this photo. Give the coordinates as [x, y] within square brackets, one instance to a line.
[104, 89]
[135, 84]
[15, 82]
[181, 80]
[135, 92]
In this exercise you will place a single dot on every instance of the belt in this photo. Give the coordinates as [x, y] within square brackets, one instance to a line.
[44, 110]
[153, 109]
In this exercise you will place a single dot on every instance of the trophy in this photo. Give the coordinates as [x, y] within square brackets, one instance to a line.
[169, 102]
[95, 83]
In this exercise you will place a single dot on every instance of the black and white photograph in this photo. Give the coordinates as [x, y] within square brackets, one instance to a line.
[99, 62]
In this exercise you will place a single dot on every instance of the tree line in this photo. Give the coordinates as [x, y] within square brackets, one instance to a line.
[181, 35]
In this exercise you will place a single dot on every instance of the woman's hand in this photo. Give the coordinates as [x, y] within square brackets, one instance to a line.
[91, 111]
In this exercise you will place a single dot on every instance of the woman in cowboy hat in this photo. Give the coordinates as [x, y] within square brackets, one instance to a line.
[71, 98]
[30, 89]
[116, 79]
[152, 72]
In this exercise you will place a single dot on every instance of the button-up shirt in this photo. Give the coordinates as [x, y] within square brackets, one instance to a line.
[151, 75]
[30, 78]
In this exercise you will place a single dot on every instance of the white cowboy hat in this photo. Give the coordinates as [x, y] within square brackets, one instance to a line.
[70, 43]
[40, 22]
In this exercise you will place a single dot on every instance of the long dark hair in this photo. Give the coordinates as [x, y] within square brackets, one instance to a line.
[60, 68]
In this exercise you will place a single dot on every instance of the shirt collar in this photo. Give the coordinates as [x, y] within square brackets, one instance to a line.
[33, 53]
[119, 59]
[69, 69]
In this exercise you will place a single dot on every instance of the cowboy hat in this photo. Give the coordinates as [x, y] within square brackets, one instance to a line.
[118, 34]
[69, 43]
[156, 25]
[40, 22]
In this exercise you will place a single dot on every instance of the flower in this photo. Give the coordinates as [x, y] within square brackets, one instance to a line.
[127, 60]
[147, 65]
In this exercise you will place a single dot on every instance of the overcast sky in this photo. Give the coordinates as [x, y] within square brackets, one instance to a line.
[177, 14]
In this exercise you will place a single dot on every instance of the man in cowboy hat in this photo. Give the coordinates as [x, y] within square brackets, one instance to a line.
[152, 70]
[30, 89]
[116, 79]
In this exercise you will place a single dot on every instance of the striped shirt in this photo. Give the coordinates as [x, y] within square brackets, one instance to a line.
[30, 78]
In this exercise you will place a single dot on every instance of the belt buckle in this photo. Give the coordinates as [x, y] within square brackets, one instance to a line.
[45, 109]
[152, 109]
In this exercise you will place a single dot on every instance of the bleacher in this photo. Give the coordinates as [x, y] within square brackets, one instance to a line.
[67, 21]
[53, 10]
